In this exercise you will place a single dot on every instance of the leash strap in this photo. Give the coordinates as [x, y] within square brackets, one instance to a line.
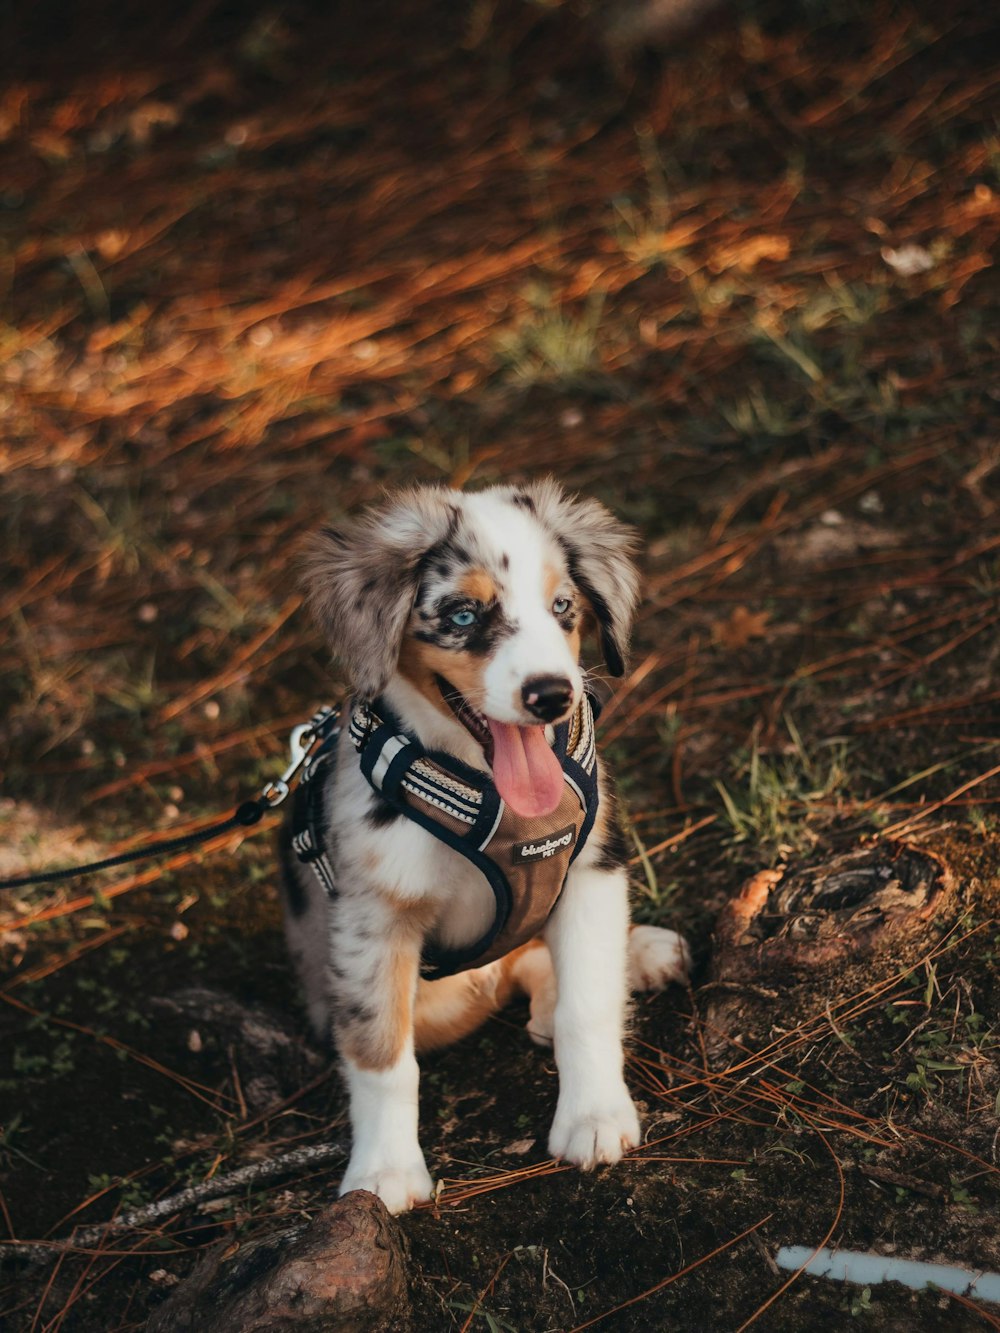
[303, 743]
[245, 815]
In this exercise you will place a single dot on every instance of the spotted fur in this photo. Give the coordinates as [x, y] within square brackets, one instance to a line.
[390, 590]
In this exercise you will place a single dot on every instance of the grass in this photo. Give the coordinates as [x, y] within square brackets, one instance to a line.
[774, 803]
[551, 345]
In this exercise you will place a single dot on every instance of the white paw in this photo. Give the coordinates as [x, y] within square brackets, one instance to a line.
[542, 1022]
[656, 957]
[601, 1132]
[399, 1187]
[532, 973]
[539, 1029]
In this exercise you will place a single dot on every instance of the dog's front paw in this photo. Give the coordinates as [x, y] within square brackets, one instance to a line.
[656, 957]
[592, 1133]
[399, 1187]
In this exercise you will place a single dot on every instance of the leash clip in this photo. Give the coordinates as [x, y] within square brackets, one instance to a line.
[303, 738]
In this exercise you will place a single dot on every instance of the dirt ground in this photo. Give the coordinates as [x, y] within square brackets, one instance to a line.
[261, 261]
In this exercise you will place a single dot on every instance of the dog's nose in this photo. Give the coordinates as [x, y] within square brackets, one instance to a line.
[547, 697]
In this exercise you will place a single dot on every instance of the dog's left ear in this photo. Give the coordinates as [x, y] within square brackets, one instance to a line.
[598, 551]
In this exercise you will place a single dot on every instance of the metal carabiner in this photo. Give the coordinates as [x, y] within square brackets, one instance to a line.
[302, 740]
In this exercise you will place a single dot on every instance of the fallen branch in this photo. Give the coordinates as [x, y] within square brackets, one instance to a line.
[136, 1218]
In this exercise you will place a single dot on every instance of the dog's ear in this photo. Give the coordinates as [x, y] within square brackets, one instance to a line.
[361, 579]
[598, 551]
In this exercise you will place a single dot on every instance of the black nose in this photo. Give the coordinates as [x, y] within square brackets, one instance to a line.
[548, 697]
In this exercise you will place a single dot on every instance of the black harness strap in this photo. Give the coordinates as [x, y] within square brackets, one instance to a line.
[308, 814]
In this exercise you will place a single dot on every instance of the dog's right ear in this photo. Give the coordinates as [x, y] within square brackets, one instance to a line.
[361, 580]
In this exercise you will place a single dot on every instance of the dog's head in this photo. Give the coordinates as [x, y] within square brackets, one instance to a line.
[478, 600]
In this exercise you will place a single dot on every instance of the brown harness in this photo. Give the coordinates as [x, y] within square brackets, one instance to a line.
[525, 860]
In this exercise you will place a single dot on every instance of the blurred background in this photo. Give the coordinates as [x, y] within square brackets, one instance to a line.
[728, 269]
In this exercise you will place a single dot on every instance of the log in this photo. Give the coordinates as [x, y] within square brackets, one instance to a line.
[342, 1272]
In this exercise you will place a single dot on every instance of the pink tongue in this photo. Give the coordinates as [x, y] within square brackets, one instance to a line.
[528, 775]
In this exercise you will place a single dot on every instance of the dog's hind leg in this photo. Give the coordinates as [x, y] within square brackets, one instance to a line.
[656, 957]
[452, 1007]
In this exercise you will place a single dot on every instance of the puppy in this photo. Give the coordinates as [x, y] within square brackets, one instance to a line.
[463, 846]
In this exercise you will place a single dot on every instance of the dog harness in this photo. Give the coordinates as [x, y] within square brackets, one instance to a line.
[524, 859]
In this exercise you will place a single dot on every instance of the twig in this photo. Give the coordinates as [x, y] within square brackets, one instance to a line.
[135, 1218]
[485, 1292]
[236, 666]
[673, 841]
[905, 825]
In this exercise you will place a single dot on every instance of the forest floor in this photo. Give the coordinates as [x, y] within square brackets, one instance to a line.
[261, 261]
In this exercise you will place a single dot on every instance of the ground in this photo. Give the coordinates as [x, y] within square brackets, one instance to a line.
[261, 261]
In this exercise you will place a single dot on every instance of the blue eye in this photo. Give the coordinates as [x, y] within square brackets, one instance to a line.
[560, 606]
[463, 619]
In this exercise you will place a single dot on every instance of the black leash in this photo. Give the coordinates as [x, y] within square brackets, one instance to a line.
[303, 741]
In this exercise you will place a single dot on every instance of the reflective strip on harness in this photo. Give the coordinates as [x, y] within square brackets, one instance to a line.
[390, 749]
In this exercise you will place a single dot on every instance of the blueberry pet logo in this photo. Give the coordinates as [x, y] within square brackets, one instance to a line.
[540, 851]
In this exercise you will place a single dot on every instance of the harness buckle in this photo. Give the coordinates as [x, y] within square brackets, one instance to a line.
[301, 743]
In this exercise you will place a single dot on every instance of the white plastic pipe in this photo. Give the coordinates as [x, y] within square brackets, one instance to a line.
[868, 1270]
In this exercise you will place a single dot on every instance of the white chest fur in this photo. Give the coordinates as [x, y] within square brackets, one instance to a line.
[403, 860]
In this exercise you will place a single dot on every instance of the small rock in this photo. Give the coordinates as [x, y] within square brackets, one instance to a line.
[343, 1272]
[165, 1279]
[908, 260]
[832, 538]
[519, 1147]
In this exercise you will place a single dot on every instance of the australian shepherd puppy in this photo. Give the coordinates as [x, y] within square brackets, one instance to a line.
[464, 613]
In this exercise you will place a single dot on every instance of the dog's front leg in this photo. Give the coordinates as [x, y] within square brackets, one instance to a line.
[587, 934]
[374, 985]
